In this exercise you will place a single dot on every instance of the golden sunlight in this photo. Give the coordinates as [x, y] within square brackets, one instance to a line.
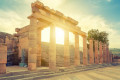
[59, 35]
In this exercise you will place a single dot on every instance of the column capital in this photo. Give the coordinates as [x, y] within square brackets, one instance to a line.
[91, 39]
[96, 40]
[84, 36]
[31, 17]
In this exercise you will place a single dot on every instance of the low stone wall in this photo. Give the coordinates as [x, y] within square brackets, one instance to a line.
[45, 52]
[59, 54]
[116, 60]
[3, 58]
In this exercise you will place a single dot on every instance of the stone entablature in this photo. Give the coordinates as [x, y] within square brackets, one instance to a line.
[49, 16]
[39, 7]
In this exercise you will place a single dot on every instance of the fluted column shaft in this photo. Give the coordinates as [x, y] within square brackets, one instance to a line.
[91, 55]
[85, 54]
[32, 52]
[52, 48]
[66, 49]
[100, 53]
[96, 52]
[77, 54]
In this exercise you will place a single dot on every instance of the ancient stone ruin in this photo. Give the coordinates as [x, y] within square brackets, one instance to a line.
[27, 42]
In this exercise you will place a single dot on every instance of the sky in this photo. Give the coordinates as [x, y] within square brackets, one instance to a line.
[103, 15]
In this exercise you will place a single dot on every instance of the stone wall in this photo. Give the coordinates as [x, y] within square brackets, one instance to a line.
[23, 43]
[59, 54]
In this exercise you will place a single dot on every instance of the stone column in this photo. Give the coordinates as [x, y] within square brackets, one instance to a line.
[100, 53]
[52, 48]
[104, 53]
[96, 52]
[39, 48]
[3, 58]
[66, 49]
[32, 52]
[77, 54]
[111, 58]
[108, 53]
[91, 55]
[85, 54]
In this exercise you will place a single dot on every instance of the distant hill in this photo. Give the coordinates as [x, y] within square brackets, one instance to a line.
[3, 35]
[115, 51]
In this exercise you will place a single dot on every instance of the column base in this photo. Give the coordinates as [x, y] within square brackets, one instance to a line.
[2, 68]
[52, 66]
[85, 61]
[31, 66]
[39, 64]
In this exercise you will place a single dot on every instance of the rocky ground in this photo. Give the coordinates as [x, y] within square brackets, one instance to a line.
[108, 73]
[90, 72]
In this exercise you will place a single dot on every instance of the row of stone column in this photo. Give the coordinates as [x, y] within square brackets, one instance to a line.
[34, 56]
[35, 45]
[100, 53]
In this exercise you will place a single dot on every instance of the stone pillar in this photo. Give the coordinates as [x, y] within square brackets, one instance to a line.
[108, 54]
[100, 53]
[32, 38]
[104, 53]
[85, 54]
[3, 58]
[96, 52]
[111, 58]
[52, 48]
[66, 49]
[91, 55]
[39, 48]
[77, 54]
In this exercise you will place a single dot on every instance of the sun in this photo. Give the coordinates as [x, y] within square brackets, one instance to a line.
[59, 35]
[58, 32]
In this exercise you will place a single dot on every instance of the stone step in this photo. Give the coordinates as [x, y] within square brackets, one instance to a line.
[41, 74]
[52, 75]
[23, 72]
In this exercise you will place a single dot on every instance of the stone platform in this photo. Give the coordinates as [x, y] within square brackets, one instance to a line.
[72, 73]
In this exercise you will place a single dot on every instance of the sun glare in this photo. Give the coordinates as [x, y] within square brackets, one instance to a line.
[59, 36]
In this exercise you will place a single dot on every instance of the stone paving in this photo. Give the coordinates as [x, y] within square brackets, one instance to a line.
[108, 73]
[90, 72]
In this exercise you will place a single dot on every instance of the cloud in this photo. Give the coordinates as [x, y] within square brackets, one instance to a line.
[10, 20]
[88, 22]
[109, 0]
[50, 3]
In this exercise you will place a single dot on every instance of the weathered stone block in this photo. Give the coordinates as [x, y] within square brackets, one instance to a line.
[2, 68]
[3, 54]
[31, 66]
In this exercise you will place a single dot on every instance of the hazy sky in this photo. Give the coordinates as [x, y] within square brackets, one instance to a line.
[91, 14]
